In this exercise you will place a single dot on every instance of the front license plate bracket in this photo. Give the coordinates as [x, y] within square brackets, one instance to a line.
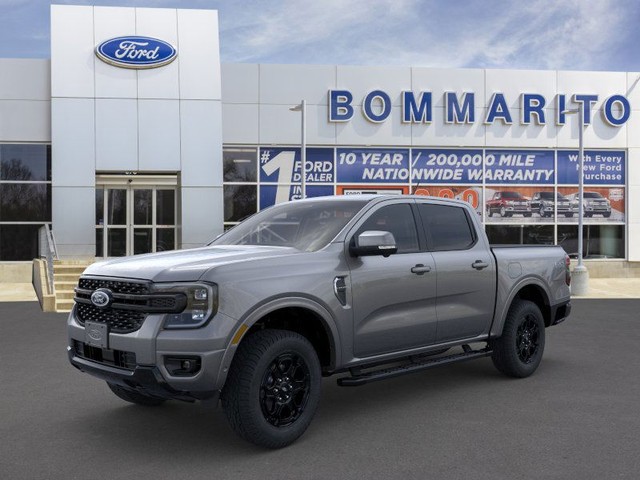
[96, 334]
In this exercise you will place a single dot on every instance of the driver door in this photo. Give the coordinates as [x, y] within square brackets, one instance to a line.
[394, 307]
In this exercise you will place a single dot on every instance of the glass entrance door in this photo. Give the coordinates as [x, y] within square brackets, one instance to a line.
[133, 219]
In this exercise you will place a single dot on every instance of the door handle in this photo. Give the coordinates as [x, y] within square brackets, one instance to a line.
[479, 264]
[420, 269]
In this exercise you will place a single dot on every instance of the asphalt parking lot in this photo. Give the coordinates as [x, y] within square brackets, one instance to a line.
[578, 417]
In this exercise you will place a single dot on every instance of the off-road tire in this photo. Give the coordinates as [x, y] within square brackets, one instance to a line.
[250, 382]
[514, 344]
[135, 397]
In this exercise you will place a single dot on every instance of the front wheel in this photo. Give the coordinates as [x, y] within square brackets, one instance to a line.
[273, 388]
[518, 352]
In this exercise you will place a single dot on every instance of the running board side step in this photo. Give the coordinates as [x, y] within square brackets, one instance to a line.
[411, 367]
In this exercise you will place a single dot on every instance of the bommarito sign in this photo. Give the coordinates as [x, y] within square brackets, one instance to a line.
[459, 108]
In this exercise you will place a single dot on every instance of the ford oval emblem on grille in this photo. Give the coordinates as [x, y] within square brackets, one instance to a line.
[102, 298]
[95, 334]
[136, 52]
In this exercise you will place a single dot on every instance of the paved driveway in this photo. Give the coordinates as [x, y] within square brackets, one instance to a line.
[578, 417]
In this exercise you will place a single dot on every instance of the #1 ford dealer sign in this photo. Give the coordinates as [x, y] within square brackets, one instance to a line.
[136, 52]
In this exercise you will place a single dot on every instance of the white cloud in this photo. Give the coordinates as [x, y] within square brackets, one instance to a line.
[546, 34]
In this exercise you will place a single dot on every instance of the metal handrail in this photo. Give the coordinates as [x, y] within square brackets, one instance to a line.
[50, 253]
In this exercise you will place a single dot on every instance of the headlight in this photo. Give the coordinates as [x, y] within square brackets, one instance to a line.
[202, 303]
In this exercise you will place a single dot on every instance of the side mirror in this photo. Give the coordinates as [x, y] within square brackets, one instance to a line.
[373, 242]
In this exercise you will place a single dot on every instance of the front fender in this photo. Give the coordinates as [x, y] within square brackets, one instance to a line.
[270, 305]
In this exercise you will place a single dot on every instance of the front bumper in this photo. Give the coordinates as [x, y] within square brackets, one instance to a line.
[141, 360]
[144, 379]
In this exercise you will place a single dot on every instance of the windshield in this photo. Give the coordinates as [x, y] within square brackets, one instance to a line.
[592, 195]
[511, 195]
[549, 196]
[306, 226]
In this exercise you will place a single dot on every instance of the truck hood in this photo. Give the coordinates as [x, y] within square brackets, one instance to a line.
[183, 265]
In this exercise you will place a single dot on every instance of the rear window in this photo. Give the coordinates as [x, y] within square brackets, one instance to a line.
[447, 226]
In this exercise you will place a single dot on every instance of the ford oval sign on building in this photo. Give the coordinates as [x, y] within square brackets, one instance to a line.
[136, 52]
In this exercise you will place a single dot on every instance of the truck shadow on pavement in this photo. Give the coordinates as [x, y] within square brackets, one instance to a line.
[183, 429]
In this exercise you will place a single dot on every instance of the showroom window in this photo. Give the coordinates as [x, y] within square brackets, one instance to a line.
[25, 199]
[522, 196]
[240, 184]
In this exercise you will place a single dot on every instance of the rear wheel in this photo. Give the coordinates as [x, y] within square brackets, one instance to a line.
[273, 388]
[518, 352]
[133, 396]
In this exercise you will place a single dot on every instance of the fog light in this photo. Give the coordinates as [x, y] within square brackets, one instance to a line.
[182, 366]
[200, 294]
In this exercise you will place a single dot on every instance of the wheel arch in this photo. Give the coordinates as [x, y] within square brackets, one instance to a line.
[531, 289]
[298, 314]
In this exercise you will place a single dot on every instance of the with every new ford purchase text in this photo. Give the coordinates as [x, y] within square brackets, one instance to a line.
[366, 286]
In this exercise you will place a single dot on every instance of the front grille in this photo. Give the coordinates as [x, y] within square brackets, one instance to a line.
[131, 302]
[116, 286]
[119, 321]
[105, 356]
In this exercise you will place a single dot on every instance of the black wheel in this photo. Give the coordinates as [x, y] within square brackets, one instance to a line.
[518, 352]
[273, 388]
[503, 212]
[489, 212]
[132, 396]
[606, 215]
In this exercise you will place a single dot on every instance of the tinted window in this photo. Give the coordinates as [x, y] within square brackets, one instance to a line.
[448, 226]
[509, 195]
[239, 164]
[25, 162]
[592, 195]
[397, 219]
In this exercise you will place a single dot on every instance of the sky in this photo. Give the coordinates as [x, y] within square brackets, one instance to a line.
[515, 34]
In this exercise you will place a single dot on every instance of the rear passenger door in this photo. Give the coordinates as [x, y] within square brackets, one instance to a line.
[465, 268]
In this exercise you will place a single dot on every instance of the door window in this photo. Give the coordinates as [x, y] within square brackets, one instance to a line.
[397, 219]
[447, 226]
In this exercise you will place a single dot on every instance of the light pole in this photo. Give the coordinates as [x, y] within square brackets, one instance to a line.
[580, 277]
[302, 107]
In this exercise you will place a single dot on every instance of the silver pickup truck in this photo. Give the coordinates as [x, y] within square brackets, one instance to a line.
[370, 287]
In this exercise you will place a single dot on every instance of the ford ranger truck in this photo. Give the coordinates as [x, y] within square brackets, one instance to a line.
[364, 287]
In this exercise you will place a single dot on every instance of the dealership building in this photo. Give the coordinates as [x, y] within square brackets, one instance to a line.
[133, 138]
